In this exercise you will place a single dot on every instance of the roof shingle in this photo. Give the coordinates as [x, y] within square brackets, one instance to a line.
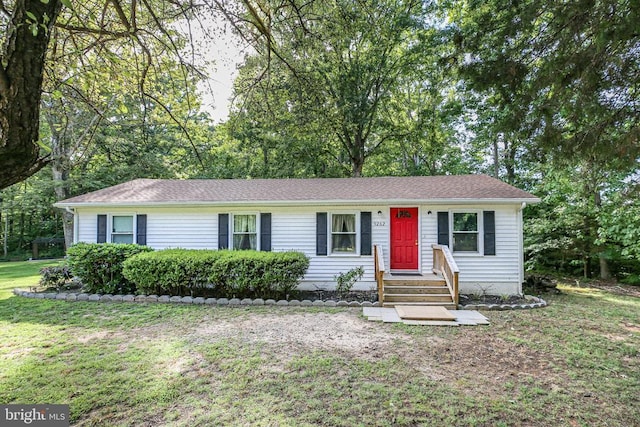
[254, 191]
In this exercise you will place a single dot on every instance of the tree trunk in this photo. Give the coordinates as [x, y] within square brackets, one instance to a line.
[496, 160]
[21, 71]
[61, 188]
[5, 236]
[356, 167]
[605, 273]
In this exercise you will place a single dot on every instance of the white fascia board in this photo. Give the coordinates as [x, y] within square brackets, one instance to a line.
[254, 203]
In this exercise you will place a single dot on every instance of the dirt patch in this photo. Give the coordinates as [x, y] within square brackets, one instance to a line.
[344, 331]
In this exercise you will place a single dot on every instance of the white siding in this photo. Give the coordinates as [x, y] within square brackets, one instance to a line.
[191, 230]
[494, 274]
[294, 228]
[187, 228]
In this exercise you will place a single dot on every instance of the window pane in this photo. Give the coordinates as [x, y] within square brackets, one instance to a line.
[244, 223]
[343, 242]
[244, 232]
[343, 223]
[122, 238]
[123, 224]
[465, 242]
[465, 222]
[245, 241]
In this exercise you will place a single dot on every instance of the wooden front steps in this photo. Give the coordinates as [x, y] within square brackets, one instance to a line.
[412, 290]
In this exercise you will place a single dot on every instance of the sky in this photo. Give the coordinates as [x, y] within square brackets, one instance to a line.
[221, 52]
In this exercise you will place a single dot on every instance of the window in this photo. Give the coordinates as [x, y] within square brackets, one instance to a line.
[465, 232]
[245, 233]
[343, 233]
[122, 229]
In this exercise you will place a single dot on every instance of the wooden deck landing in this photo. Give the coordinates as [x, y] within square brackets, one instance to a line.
[417, 312]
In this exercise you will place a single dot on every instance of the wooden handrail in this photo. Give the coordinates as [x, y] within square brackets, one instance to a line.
[378, 258]
[444, 263]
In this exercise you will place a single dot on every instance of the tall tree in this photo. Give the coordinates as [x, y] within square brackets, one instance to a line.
[342, 61]
[25, 28]
[565, 75]
[102, 28]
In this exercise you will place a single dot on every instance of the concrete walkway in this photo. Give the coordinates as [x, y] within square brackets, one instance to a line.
[390, 315]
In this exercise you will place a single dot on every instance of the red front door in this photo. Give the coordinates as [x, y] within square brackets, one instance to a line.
[404, 238]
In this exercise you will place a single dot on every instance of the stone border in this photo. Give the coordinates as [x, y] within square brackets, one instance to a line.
[233, 302]
[236, 302]
[534, 302]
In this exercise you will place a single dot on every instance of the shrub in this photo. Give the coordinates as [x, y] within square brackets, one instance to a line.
[171, 271]
[345, 281]
[259, 274]
[99, 265]
[55, 277]
[240, 274]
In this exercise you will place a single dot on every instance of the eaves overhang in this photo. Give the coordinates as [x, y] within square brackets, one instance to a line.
[275, 203]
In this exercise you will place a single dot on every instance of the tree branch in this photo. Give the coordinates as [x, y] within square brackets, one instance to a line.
[4, 10]
[180, 125]
[96, 31]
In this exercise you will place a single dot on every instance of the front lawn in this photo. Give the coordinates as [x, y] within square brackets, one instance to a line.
[574, 363]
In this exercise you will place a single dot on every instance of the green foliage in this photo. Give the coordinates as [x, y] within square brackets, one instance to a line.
[55, 277]
[99, 266]
[562, 75]
[330, 86]
[171, 271]
[345, 281]
[240, 274]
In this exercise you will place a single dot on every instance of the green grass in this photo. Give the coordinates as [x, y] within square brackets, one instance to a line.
[576, 362]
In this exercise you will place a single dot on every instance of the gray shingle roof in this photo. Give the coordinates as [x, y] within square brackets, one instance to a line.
[320, 190]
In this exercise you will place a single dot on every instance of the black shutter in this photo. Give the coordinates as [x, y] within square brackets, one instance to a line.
[443, 228]
[102, 229]
[321, 233]
[223, 231]
[489, 232]
[365, 233]
[265, 232]
[141, 229]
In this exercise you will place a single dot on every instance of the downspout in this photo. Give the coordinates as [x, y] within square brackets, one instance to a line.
[521, 246]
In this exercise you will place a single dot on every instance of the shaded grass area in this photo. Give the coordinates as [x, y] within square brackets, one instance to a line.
[576, 362]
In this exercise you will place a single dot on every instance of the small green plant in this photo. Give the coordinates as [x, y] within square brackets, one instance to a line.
[57, 277]
[345, 281]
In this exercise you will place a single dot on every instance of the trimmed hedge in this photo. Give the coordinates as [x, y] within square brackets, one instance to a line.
[99, 266]
[239, 274]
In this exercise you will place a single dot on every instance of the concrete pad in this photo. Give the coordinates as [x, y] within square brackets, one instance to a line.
[470, 317]
[373, 313]
[424, 312]
[390, 316]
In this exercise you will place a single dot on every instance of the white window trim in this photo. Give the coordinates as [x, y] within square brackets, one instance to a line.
[110, 225]
[232, 233]
[330, 234]
[480, 217]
